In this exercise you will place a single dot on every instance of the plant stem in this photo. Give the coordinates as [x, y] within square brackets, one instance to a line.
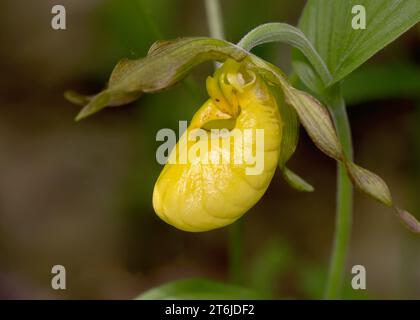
[236, 236]
[344, 200]
[214, 19]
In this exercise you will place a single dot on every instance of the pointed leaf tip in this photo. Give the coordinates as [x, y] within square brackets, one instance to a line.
[99, 102]
[295, 181]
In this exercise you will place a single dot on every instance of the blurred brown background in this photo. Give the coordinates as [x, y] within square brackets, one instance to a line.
[79, 194]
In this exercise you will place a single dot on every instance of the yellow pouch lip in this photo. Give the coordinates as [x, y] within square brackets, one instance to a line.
[231, 87]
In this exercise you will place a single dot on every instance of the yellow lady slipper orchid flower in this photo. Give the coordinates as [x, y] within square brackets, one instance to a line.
[246, 93]
[202, 195]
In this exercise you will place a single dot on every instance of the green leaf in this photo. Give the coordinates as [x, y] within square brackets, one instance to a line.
[328, 25]
[167, 63]
[198, 289]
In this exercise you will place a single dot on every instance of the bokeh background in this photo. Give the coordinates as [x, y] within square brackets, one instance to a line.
[79, 194]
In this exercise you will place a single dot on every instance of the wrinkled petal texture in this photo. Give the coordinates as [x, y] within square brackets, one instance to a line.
[204, 195]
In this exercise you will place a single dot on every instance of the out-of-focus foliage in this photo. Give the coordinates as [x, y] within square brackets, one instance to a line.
[379, 82]
[270, 265]
[199, 289]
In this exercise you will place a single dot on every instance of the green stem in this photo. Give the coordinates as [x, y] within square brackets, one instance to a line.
[344, 200]
[236, 237]
[214, 19]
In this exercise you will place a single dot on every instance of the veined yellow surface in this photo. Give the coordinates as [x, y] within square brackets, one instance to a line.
[201, 195]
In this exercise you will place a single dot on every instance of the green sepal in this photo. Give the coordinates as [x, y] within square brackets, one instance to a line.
[167, 63]
[289, 140]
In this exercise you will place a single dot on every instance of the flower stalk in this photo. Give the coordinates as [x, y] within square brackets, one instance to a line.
[344, 201]
[214, 19]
